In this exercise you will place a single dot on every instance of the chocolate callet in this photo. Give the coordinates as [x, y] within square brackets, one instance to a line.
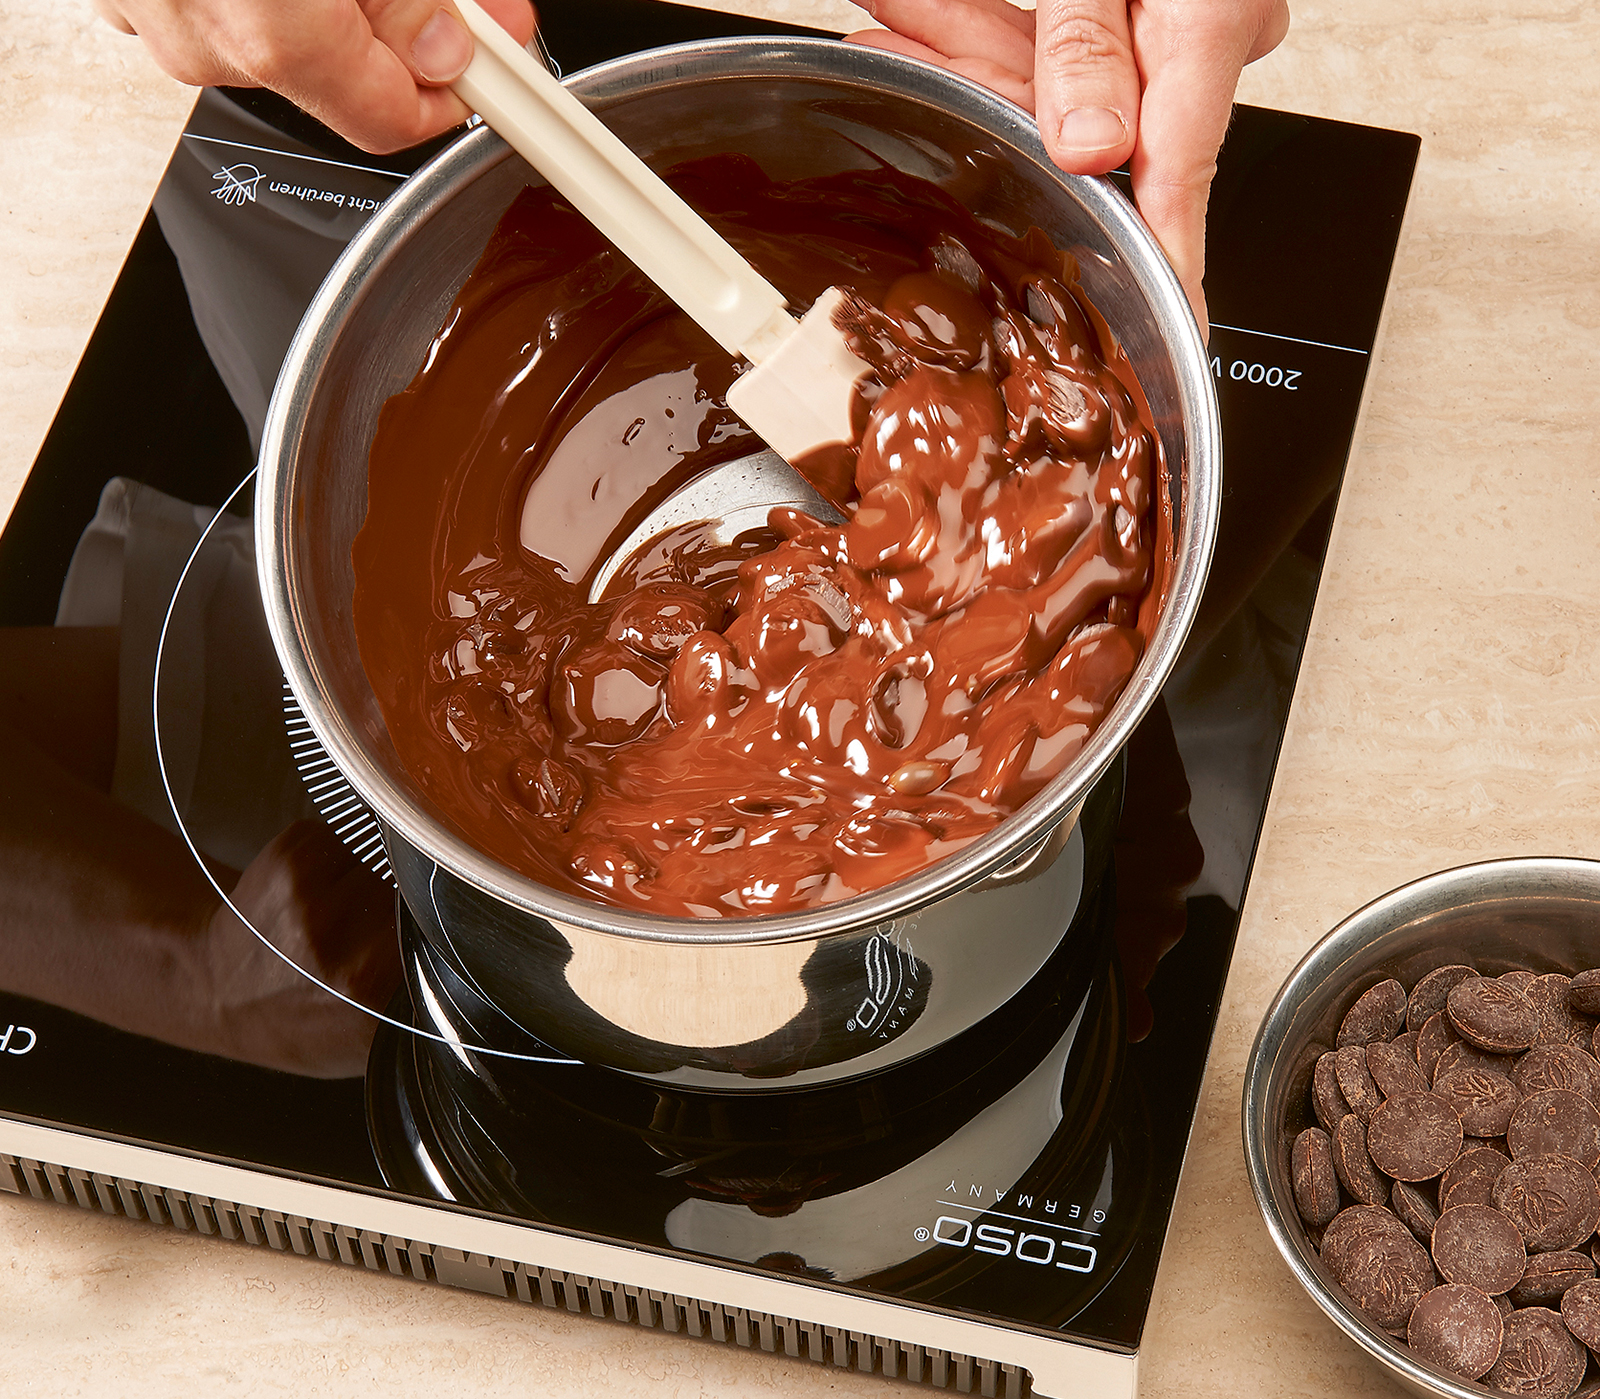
[1353, 1163]
[1479, 1246]
[1382, 1269]
[1413, 1136]
[1394, 1068]
[1326, 1100]
[1316, 1185]
[1556, 1121]
[1457, 1328]
[1378, 1014]
[1470, 1178]
[1538, 1356]
[1355, 1080]
[1552, 1200]
[1493, 1016]
[1580, 1309]
[1427, 997]
[1414, 1207]
[888, 689]
[1549, 1276]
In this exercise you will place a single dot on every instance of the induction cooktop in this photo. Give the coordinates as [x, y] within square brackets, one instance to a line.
[988, 1218]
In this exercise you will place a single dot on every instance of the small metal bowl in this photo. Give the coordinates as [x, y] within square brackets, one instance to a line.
[1542, 914]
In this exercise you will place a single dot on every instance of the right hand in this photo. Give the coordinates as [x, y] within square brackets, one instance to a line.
[376, 71]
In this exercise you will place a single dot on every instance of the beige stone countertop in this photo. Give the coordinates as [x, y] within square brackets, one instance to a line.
[1448, 707]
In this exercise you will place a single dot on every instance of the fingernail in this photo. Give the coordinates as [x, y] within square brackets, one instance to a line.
[443, 49]
[1091, 129]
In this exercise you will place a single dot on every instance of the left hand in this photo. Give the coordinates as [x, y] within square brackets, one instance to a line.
[375, 71]
[1150, 82]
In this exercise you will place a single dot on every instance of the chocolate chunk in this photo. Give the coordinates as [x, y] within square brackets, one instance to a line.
[1378, 1014]
[1355, 1082]
[1548, 1277]
[1457, 1328]
[1462, 1055]
[1583, 995]
[1538, 1356]
[1479, 1246]
[1491, 1015]
[1557, 1066]
[1414, 1207]
[1557, 1022]
[1413, 1136]
[1394, 1069]
[1484, 1101]
[1552, 1200]
[1316, 1186]
[1432, 1040]
[1470, 1178]
[1382, 1269]
[1556, 1122]
[1353, 1164]
[1326, 1099]
[1427, 997]
[1580, 1309]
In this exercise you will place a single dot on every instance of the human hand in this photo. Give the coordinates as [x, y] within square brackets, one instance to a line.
[376, 71]
[1149, 82]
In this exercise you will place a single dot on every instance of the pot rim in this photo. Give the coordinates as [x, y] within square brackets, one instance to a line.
[823, 61]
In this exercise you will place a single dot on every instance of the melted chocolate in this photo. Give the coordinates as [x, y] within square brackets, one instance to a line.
[813, 711]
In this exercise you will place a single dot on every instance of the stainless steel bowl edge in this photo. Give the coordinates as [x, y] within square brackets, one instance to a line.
[1530, 911]
[430, 192]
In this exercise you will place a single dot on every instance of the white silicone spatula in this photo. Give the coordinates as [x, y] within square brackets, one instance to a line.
[797, 396]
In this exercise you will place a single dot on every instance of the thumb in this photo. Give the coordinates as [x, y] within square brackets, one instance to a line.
[1086, 84]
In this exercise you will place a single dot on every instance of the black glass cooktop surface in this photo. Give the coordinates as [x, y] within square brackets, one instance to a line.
[1024, 1172]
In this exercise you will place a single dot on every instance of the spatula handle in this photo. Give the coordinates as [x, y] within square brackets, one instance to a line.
[611, 187]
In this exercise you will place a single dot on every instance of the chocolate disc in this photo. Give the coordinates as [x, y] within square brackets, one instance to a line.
[1548, 1277]
[1413, 1136]
[1326, 1100]
[1378, 1014]
[1394, 1069]
[1428, 996]
[1583, 995]
[1538, 1356]
[1353, 1164]
[1414, 1207]
[1521, 979]
[1483, 1101]
[1470, 1178]
[1316, 1186]
[1457, 1328]
[1382, 1269]
[1556, 1122]
[1355, 1082]
[1491, 1015]
[1432, 1040]
[1552, 1200]
[1479, 1246]
[1558, 1024]
[1557, 1066]
[1462, 1055]
[1580, 1309]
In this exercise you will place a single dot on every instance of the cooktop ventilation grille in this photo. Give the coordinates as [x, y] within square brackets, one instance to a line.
[550, 1287]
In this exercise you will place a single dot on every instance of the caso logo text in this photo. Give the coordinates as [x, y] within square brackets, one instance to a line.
[1013, 1243]
[18, 1039]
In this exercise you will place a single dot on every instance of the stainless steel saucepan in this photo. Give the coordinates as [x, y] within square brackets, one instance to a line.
[777, 1001]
